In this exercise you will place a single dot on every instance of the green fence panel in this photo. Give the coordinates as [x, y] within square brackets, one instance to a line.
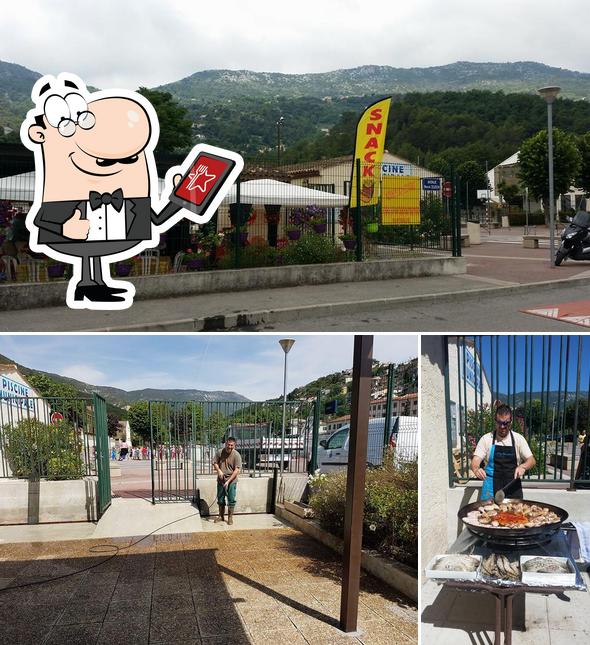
[102, 453]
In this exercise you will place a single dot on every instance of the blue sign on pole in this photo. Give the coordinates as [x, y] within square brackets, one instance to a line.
[431, 183]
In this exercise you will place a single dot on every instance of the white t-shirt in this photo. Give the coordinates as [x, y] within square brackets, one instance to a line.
[484, 445]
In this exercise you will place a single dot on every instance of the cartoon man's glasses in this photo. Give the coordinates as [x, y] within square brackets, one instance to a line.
[67, 127]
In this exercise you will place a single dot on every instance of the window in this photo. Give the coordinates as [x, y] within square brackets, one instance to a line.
[338, 440]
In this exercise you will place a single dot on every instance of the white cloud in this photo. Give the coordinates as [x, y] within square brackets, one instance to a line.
[147, 42]
[84, 372]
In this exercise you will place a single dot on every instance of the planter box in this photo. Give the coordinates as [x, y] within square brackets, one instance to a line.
[299, 508]
[24, 502]
[397, 575]
[559, 461]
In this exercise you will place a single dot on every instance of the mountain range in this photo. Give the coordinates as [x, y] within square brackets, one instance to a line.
[122, 398]
[223, 86]
[523, 76]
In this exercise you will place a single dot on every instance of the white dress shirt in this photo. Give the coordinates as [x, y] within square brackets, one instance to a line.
[106, 223]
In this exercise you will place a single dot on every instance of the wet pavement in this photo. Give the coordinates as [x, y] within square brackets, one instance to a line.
[251, 587]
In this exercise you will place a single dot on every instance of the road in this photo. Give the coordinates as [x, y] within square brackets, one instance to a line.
[472, 313]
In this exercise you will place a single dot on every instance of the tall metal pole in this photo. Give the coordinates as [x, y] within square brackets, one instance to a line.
[550, 94]
[551, 187]
[388, 406]
[355, 482]
[286, 344]
[284, 414]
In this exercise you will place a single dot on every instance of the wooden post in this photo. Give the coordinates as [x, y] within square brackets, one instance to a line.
[362, 374]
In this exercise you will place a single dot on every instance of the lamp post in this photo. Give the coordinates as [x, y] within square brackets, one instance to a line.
[550, 94]
[286, 344]
[279, 125]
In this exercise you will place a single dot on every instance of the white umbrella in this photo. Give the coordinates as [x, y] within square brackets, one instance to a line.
[271, 191]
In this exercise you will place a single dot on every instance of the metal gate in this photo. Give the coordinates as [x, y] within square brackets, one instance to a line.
[102, 453]
[185, 436]
[545, 380]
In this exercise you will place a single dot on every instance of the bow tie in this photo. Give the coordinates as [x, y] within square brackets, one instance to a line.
[96, 199]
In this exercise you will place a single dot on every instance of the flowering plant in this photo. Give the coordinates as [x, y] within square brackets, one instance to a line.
[193, 254]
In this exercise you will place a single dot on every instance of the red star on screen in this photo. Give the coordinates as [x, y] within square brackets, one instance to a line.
[200, 179]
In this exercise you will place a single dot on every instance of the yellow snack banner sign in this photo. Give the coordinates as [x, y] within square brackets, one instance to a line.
[400, 200]
[369, 146]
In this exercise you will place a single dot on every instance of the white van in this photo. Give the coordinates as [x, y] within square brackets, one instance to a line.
[333, 452]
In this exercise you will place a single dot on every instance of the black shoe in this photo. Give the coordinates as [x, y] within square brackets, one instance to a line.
[98, 293]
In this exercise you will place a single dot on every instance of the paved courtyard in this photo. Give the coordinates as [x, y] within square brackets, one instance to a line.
[216, 588]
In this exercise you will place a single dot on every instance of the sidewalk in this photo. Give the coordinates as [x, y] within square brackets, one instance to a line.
[228, 586]
[499, 262]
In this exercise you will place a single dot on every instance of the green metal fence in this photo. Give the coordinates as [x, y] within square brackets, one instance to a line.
[102, 453]
[545, 380]
[51, 438]
[185, 436]
[277, 216]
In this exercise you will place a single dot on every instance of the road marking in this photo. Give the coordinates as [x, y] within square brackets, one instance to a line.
[577, 312]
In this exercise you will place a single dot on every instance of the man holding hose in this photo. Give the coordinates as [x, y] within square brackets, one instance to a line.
[227, 464]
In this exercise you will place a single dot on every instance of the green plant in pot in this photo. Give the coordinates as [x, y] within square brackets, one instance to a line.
[293, 232]
[239, 214]
[55, 269]
[194, 259]
[349, 241]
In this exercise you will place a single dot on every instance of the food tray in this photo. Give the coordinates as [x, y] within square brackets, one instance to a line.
[451, 575]
[547, 579]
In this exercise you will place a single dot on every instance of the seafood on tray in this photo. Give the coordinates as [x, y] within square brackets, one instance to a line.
[499, 566]
[514, 514]
[544, 564]
[456, 562]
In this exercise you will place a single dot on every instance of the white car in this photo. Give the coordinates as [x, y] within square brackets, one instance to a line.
[333, 452]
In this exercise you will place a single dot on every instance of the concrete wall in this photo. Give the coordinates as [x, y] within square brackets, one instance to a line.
[434, 477]
[33, 295]
[254, 494]
[24, 502]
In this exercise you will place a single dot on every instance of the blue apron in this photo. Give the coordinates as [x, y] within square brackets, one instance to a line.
[500, 470]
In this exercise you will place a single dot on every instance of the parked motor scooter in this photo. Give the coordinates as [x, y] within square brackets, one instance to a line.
[575, 238]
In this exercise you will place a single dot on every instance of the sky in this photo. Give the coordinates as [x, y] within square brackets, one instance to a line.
[128, 43]
[506, 360]
[251, 365]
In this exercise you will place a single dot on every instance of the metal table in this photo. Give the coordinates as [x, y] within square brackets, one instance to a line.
[470, 544]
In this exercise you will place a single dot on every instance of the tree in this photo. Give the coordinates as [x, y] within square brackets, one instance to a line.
[533, 159]
[175, 127]
[112, 424]
[473, 178]
[49, 388]
[583, 179]
[139, 419]
[510, 192]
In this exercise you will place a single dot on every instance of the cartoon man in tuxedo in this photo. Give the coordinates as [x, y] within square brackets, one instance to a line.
[95, 173]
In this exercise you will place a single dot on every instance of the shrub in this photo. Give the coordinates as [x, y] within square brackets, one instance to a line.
[254, 255]
[390, 523]
[519, 219]
[311, 248]
[37, 450]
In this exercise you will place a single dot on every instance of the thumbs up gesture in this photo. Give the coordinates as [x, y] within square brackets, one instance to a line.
[76, 228]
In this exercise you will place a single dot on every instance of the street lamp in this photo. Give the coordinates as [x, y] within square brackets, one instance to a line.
[279, 125]
[286, 344]
[550, 94]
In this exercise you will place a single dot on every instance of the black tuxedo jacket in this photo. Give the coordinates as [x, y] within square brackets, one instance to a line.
[51, 217]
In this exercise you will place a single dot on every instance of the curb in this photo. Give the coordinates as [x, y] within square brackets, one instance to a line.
[242, 320]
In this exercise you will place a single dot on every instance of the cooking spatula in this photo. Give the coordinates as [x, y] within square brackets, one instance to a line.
[505, 492]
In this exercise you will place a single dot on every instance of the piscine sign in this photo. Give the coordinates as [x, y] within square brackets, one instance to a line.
[15, 393]
[396, 169]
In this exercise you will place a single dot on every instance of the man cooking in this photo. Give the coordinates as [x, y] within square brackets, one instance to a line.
[227, 464]
[506, 454]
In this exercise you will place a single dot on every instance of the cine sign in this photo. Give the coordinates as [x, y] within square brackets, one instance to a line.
[396, 169]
